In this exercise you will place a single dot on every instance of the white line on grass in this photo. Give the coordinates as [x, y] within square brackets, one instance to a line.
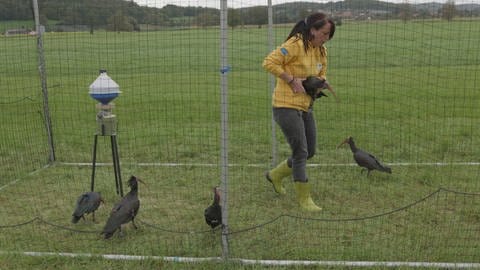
[153, 164]
[449, 265]
[112, 256]
[18, 179]
[362, 263]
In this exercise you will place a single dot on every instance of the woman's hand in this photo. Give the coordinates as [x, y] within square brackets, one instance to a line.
[296, 85]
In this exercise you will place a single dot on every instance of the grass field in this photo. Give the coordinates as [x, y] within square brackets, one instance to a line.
[409, 94]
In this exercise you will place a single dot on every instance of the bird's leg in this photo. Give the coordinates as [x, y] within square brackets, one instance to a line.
[134, 225]
[93, 217]
[120, 232]
[368, 173]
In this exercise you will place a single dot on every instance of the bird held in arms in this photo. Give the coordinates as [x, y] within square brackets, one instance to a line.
[124, 211]
[365, 160]
[314, 85]
[213, 213]
[87, 203]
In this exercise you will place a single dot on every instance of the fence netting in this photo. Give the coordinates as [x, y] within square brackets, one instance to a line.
[407, 76]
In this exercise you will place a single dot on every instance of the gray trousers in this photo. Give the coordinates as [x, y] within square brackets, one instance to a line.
[300, 131]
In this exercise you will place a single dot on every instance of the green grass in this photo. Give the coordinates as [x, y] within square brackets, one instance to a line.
[408, 94]
[5, 25]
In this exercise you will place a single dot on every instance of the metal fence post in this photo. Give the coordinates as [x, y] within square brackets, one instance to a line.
[272, 81]
[224, 122]
[40, 29]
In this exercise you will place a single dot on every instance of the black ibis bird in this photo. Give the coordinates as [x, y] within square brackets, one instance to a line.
[313, 86]
[365, 160]
[213, 213]
[124, 211]
[87, 203]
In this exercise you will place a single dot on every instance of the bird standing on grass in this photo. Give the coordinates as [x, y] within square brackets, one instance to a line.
[365, 160]
[124, 211]
[213, 213]
[87, 203]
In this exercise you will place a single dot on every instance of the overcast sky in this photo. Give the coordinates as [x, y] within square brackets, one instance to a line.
[248, 3]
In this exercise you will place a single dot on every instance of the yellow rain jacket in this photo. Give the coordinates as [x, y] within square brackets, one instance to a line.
[291, 57]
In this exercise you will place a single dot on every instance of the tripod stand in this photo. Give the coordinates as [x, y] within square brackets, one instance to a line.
[106, 123]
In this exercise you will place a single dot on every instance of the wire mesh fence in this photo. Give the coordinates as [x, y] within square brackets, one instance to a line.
[408, 91]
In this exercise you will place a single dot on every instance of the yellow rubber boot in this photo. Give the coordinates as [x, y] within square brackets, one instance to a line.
[303, 196]
[276, 175]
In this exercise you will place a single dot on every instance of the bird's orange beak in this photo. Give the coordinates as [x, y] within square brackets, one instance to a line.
[344, 142]
[330, 89]
[140, 180]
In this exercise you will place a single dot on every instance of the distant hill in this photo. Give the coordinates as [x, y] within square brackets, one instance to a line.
[126, 15]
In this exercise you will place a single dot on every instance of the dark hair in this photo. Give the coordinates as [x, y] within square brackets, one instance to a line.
[316, 20]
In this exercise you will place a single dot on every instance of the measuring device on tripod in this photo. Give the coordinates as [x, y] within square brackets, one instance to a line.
[104, 90]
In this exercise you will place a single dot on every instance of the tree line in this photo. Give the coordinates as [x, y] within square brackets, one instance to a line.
[121, 15]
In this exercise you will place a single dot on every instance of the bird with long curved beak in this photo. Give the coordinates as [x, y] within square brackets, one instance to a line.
[313, 86]
[365, 160]
[213, 213]
[125, 210]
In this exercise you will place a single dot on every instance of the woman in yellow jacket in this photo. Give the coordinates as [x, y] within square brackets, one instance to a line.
[302, 54]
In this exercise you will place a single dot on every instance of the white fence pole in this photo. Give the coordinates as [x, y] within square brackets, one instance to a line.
[43, 77]
[224, 69]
